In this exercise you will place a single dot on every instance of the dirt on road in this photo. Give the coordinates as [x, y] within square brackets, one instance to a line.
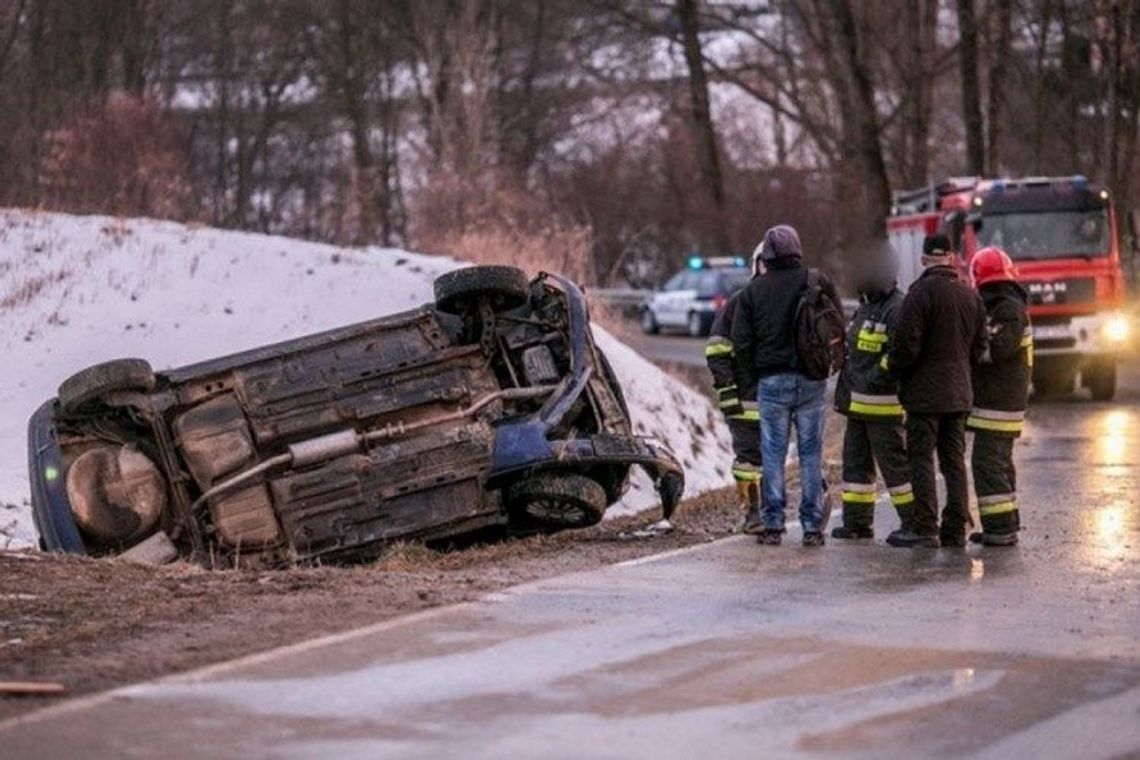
[94, 624]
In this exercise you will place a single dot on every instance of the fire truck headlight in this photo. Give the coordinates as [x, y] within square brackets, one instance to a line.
[1117, 329]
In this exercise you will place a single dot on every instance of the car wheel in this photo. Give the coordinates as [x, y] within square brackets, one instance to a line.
[89, 385]
[557, 501]
[1100, 378]
[696, 324]
[649, 324]
[506, 288]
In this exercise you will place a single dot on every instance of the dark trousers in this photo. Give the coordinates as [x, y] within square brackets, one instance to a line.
[745, 446]
[866, 444]
[995, 482]
[946, 434]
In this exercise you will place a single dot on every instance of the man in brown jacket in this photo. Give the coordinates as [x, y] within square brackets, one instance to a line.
[941, 332]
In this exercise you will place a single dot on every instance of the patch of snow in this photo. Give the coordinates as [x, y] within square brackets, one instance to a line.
[76, 290]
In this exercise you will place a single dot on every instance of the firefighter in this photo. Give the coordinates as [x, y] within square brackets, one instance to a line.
[1001, 395]
[867, 395]
[941, 332]
[740, 410]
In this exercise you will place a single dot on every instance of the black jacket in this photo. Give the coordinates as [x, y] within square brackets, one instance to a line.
[736, 398]
[941, 332]
[1001, 380]
[869, 334]
[763, 328]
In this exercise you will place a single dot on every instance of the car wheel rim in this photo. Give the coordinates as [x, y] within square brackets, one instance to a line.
[564, 512]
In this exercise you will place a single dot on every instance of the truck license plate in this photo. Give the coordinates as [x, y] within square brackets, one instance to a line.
[1050, 332]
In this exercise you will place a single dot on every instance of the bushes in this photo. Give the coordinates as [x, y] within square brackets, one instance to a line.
[122, 156]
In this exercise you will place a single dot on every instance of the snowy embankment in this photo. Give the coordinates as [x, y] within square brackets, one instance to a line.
[79, 290]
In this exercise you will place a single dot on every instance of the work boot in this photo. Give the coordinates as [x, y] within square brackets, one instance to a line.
[952, 538]
[750, 499]
[753, 522]
[994, 539]
[770, 537]
[908, 539]
[852, 533]
[813, 538]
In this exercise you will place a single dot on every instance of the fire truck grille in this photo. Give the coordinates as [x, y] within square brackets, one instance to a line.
[1073, 291]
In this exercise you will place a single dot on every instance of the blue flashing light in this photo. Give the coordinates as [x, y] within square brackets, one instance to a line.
[696, 262]
[998, 186]
[1080, 182]
[739, 261]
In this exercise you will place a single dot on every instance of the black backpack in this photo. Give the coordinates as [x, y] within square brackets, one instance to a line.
[821, 330]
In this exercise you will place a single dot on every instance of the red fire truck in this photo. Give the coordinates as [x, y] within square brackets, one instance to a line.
[1061, 232]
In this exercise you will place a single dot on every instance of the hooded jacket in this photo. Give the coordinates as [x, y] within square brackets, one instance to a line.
[1001, 379]
[763, 327]
[941, 332]
[866, 389]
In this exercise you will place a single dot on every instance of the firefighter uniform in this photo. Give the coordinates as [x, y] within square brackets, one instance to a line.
[1001, 396]
[867, 394]
[740, 410]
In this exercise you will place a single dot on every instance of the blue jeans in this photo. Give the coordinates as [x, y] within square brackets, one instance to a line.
[785, 399]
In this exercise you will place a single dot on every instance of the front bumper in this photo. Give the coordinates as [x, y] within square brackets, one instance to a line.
[51, 510]
[1081, 336]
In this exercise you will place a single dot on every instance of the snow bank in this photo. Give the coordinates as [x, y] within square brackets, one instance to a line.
[79, 290]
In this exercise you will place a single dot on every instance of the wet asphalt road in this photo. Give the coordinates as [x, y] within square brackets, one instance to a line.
[676, 349]
[728, 650]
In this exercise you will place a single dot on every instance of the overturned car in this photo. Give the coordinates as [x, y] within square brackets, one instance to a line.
[491, 409]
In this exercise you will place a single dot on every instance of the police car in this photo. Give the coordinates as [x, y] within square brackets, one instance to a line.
[691, 298]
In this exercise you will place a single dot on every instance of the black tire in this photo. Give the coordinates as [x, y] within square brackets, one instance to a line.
[1100, 378]
[458, 291]
[697, 325]
[557, 501]
[649, 324]
[89, 385]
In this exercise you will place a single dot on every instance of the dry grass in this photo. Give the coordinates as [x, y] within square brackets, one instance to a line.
[23, 292]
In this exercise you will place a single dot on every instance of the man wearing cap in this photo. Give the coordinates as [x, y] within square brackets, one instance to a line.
[764, 342]
[941, 332]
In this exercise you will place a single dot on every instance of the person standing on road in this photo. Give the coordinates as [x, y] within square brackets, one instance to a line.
[941, 332]
[867, 395]
[1001, 395]
[737, 403]
[764, 340]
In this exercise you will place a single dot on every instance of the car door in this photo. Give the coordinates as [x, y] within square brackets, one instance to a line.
[667, 303]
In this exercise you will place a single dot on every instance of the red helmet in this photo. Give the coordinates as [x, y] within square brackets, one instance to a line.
[992, 265]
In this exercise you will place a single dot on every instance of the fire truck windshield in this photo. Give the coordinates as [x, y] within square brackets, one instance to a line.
[1047, 234]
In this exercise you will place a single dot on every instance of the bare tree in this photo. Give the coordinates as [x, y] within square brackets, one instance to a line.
[971, 88]
[708, 155]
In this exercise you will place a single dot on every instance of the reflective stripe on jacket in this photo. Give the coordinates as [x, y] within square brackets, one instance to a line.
[1001, 379]
[866, 390]
[735, 402]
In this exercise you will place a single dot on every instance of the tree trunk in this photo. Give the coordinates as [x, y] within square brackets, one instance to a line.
[921, 16]
[1040, 101]
[866, 149]
[1000, 49]
[708, 155]
[356, 111]
[971, 89]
